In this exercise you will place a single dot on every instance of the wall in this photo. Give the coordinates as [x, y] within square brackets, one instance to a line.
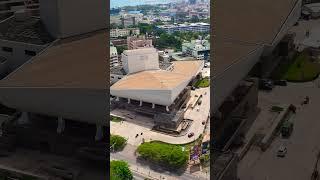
[65, 18]
[18, 57]
[225, 83]
[86, 105]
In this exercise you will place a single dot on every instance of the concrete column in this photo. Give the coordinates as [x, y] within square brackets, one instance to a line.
[167, 108]
[61, 125]
[140, 103]
[128, 100]
[24, 118]
[153, 105]
[99, 133]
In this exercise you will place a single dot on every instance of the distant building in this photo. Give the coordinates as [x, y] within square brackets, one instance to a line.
[199, 49]
[137, 42]
[192, 27]
[114, 33]
[114, 61]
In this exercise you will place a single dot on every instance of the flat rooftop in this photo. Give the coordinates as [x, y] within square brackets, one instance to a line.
[254, 21]
[160, 79]
[246, 30]
[77, 62]
[30, 31]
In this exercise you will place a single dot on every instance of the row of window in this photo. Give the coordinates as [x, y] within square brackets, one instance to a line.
[114, 77]
[27, 52]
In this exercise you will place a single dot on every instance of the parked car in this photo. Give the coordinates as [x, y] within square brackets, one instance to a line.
[266, 84]
[282, 151]
[190, 135]
[280, 83]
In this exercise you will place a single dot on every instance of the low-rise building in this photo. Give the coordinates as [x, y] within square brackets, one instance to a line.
[137, 42]
[192, 27]
[114, 33]
[199, 49]
[114, 61]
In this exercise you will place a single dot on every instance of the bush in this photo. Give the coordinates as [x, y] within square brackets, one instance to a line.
[170, 155]
[115, 119]
[118, 141]
[276, 108]
[119, 170]
[205, 82]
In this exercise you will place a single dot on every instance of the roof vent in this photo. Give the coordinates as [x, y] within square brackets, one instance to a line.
[22, 15]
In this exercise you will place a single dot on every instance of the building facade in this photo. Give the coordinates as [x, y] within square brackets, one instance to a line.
[114, 33]
[193, 27]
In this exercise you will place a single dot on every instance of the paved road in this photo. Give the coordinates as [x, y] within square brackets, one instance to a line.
[303, 144]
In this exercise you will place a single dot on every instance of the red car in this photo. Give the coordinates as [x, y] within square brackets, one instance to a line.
[190, 135]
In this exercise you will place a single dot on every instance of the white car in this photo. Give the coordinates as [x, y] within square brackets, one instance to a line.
[282, 151]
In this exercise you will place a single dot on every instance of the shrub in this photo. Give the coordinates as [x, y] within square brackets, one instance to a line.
[118, 141]
[170, 155]
[119, 170]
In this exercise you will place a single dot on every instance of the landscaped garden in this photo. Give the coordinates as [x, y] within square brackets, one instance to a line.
[302, 69]
[117, 142]
[174, 156]
[202, 83]
[119, 170]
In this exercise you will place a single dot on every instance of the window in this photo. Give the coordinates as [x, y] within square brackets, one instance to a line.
[119, 77]
[30, 53]
[7, 49]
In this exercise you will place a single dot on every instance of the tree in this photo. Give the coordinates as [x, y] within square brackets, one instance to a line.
[171, 155]
[118, 142]
[120, 49]
[119, 170]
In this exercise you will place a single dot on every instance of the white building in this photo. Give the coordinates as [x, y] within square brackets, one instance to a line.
[140, 60]
[192, 27]
[114, 61]
[199, 49]
[158, 87]
[114, 33]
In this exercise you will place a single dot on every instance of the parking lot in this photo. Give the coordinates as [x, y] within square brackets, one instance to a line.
[302, 146]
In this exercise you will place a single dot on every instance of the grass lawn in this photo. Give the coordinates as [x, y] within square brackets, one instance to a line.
[115, 119]
[302, 69]
[204, 82]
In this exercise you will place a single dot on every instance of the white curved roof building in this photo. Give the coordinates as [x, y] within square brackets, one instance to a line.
[157, 86]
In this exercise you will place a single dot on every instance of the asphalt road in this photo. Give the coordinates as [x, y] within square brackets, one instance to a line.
[303, 145]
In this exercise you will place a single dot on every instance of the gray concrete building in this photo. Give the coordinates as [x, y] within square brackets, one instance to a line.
[69, 70]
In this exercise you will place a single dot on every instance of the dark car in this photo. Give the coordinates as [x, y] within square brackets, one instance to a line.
[190, 135]
[266, 84]
[280, 83]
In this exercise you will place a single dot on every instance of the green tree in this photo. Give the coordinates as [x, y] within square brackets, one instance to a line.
[120, 49]
[168, 154]
[117, 141]
[119, 170]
